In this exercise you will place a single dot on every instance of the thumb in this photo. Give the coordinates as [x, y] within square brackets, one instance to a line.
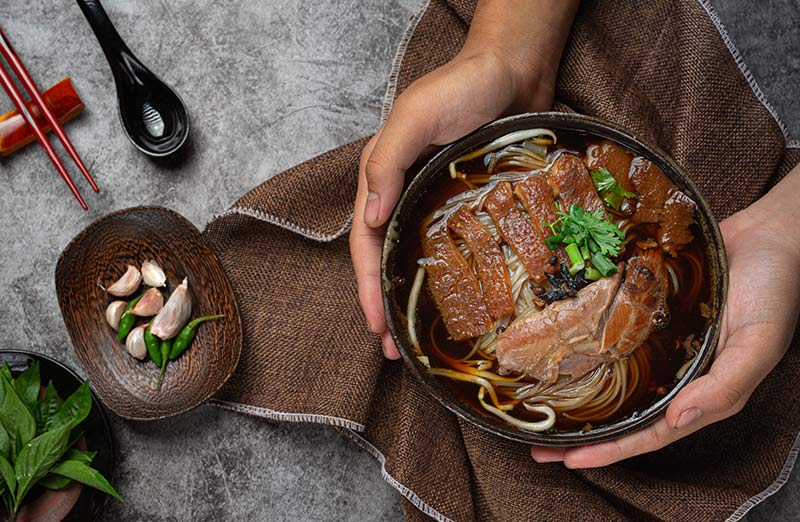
[409, 129]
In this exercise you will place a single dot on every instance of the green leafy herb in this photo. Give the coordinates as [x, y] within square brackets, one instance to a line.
[608, 188]
[586, 233]
[28, 385]
[47, 408]
[15, 417]
[54, 482]
[80, 472]
[36, 439]
[5, 442]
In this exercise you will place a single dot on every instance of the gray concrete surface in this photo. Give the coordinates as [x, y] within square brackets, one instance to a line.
[268, 84]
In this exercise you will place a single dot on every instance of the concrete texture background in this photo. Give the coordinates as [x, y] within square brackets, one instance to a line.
[268, 84]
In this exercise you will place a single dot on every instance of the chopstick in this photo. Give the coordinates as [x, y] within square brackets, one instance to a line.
[8, 84]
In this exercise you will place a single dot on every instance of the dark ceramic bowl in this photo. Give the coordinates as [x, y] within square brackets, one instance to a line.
[403, 228]
[75, 503]
[99, 256]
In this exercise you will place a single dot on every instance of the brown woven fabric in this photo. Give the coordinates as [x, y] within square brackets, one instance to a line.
[659, 69]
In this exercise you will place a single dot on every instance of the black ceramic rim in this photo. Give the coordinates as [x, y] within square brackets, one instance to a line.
[97, 508]
[404, 216]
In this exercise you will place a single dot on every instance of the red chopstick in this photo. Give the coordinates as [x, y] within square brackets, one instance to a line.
[7, 50]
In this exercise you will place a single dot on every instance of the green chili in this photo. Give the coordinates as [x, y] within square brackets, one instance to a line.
[187, 335]
[153, 344]
[166, 347]
[127, 320]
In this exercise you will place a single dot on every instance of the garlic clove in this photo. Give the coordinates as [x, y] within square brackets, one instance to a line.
[174, 315]
[135, 342]
[127, 284]
[114, 313]
[153, 275]
[150, 303]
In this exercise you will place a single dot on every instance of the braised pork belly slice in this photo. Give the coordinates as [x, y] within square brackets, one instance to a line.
[607, 320]
[612, 157]
[573, 185]
[490, 264]
[454, 286]
[659, 201]
[519, 232]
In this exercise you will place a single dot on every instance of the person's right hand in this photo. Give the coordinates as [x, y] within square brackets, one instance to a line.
[484, 81]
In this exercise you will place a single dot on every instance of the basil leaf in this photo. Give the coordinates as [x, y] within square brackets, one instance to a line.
[7, 473]
[14, 415]
[75, 409]
[5, 370]
[28, 385]
[80, 472]
[47, 408]
[38, 456]
[54, 482]
[81, 456]
[5, 442]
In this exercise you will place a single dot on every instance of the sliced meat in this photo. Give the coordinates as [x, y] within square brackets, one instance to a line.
[489, 262]
[652, 189]
[537, 196]
[565, 331]
[539, 200]
[615, 158]
[572, 184]
[675, 222]
[639, 306]
[454, 287]
[659, 201]
[518, 231]
[606, 321]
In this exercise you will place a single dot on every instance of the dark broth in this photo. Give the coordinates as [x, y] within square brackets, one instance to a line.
[663, 351]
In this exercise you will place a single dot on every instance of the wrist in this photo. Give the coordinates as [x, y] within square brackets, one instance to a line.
[527, 37]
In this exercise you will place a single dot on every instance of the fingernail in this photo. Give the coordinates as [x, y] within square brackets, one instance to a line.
[688, 417]
[372, 209]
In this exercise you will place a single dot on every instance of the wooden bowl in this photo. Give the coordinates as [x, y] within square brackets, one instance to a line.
[99, 256]
[403, 228]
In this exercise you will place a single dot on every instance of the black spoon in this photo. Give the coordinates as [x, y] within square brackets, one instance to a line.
[152, 114]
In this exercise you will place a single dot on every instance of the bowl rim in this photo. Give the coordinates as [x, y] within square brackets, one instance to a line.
[560, 121]
[79, 353]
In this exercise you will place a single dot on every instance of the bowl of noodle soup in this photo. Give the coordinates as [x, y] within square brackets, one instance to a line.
[554, 279]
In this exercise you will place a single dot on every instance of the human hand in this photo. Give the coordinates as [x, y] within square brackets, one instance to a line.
[495, 73]
[758, 322]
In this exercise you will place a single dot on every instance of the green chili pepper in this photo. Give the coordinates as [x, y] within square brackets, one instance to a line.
[166, 346]
[153, 344]
[187, 335]
[127, 320]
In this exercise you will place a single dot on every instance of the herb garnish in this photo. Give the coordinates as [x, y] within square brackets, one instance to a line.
[608, 188]
[587, 235]
[37, 438]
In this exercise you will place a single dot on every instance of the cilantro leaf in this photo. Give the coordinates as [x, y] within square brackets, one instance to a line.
[608, 188]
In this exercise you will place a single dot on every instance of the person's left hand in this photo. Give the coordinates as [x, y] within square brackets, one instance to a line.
[757, 326]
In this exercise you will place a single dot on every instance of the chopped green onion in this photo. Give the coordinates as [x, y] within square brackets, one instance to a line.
[585, 252]
[592, 274]
[574, 269]
[574, 253]
[603, 265]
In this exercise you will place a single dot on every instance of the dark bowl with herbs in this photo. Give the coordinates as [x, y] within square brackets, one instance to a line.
[61, 451]
[554, 279]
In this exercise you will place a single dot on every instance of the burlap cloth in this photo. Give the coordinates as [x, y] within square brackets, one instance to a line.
[661, 69]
